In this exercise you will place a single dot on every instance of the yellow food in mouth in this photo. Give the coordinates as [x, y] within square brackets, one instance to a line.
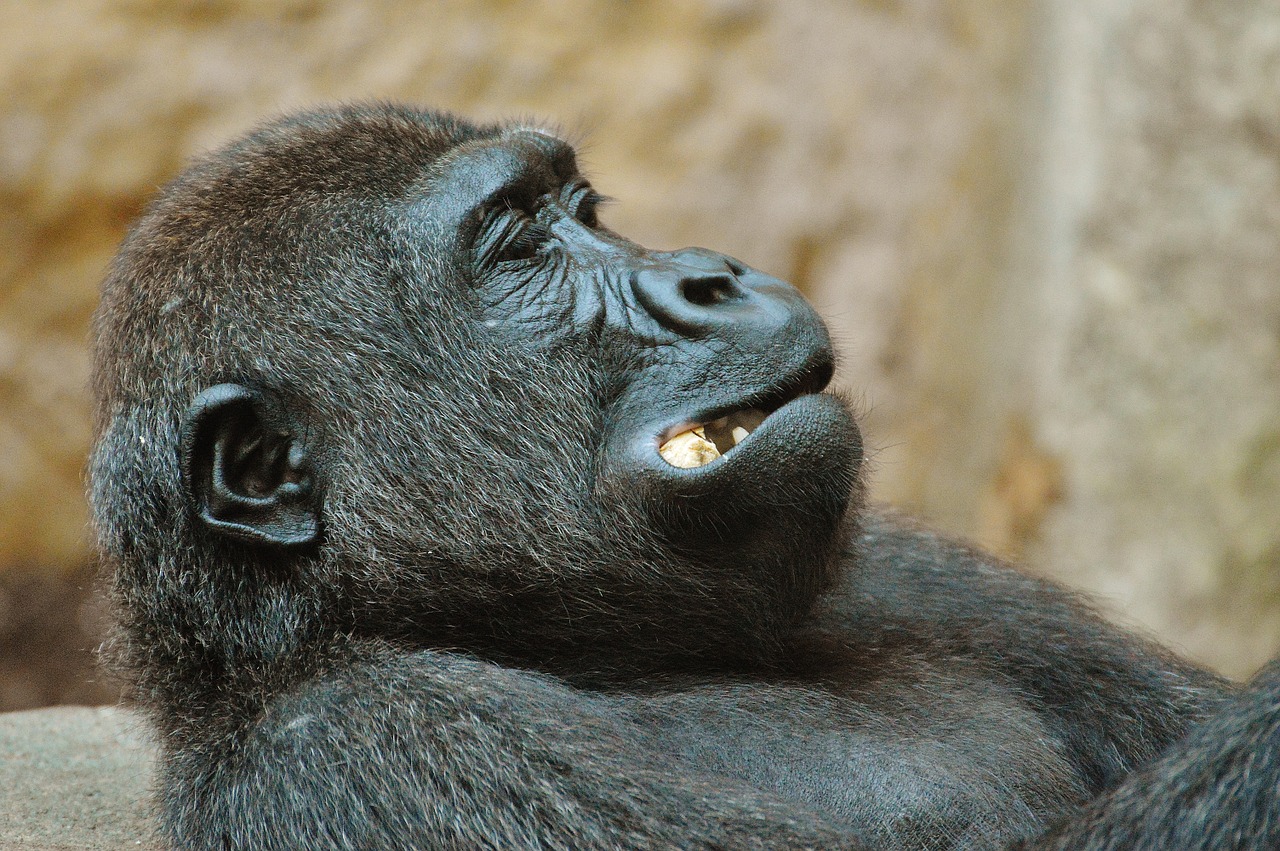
[704, 443]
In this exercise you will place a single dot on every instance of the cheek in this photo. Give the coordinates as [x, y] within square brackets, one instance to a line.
[504, 442]
[563, 300]
[534, 296]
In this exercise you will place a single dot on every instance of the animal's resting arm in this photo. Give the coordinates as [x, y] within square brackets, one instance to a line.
[1216, 790]
[431, 750]
[1114, 699]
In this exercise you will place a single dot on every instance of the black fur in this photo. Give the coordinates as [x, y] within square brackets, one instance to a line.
[1214, 791]
[397, 564]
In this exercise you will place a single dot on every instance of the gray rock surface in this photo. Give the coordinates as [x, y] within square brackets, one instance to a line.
[74, 778]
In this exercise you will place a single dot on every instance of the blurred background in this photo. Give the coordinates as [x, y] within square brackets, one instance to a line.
[1046, 234]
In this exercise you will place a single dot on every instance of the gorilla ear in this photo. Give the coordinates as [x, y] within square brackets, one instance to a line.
[245, 473]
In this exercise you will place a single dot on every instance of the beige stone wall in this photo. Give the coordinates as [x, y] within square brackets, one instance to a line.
[1044, 232]
[1156, 378]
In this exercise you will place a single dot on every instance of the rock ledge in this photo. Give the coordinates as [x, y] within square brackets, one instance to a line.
[75, 777]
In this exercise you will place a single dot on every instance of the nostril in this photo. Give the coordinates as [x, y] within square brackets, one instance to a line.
[708, 290]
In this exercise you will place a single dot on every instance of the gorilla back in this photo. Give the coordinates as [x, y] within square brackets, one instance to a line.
[441, 515]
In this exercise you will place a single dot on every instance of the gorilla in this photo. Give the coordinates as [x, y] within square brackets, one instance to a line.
[440, 515]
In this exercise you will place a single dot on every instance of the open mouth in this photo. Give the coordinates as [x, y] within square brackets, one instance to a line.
[700, 443]
[704, 443]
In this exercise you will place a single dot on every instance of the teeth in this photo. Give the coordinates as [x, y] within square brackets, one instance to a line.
[689, 449]
[705, 443]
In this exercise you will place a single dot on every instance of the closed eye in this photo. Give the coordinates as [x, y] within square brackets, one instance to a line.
[509, 233]
[525, 243]
[582, 202]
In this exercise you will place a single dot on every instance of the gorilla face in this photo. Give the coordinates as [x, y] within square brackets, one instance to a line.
[713, 368]
[501, 425]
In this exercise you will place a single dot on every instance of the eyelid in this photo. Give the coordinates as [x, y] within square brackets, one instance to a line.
[513, 196]
[574, 199]
[577, 191]
[486, 215]
[579, 198]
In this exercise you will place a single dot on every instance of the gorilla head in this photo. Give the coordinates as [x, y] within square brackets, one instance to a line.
[382, 371]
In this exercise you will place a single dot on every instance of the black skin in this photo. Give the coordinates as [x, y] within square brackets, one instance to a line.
[398, 565]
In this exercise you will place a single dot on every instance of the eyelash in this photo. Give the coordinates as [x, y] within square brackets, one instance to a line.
[531, 237]
[530, 234]
[585, 203]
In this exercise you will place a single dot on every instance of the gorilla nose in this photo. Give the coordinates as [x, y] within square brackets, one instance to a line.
[694, 292]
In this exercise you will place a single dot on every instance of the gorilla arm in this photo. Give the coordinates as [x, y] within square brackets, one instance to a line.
[1215, 790]
[1113, 699]
[427, 749]
[1169, 755]
[434, 750]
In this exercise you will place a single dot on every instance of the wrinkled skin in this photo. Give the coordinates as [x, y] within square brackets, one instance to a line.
[399, 561]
